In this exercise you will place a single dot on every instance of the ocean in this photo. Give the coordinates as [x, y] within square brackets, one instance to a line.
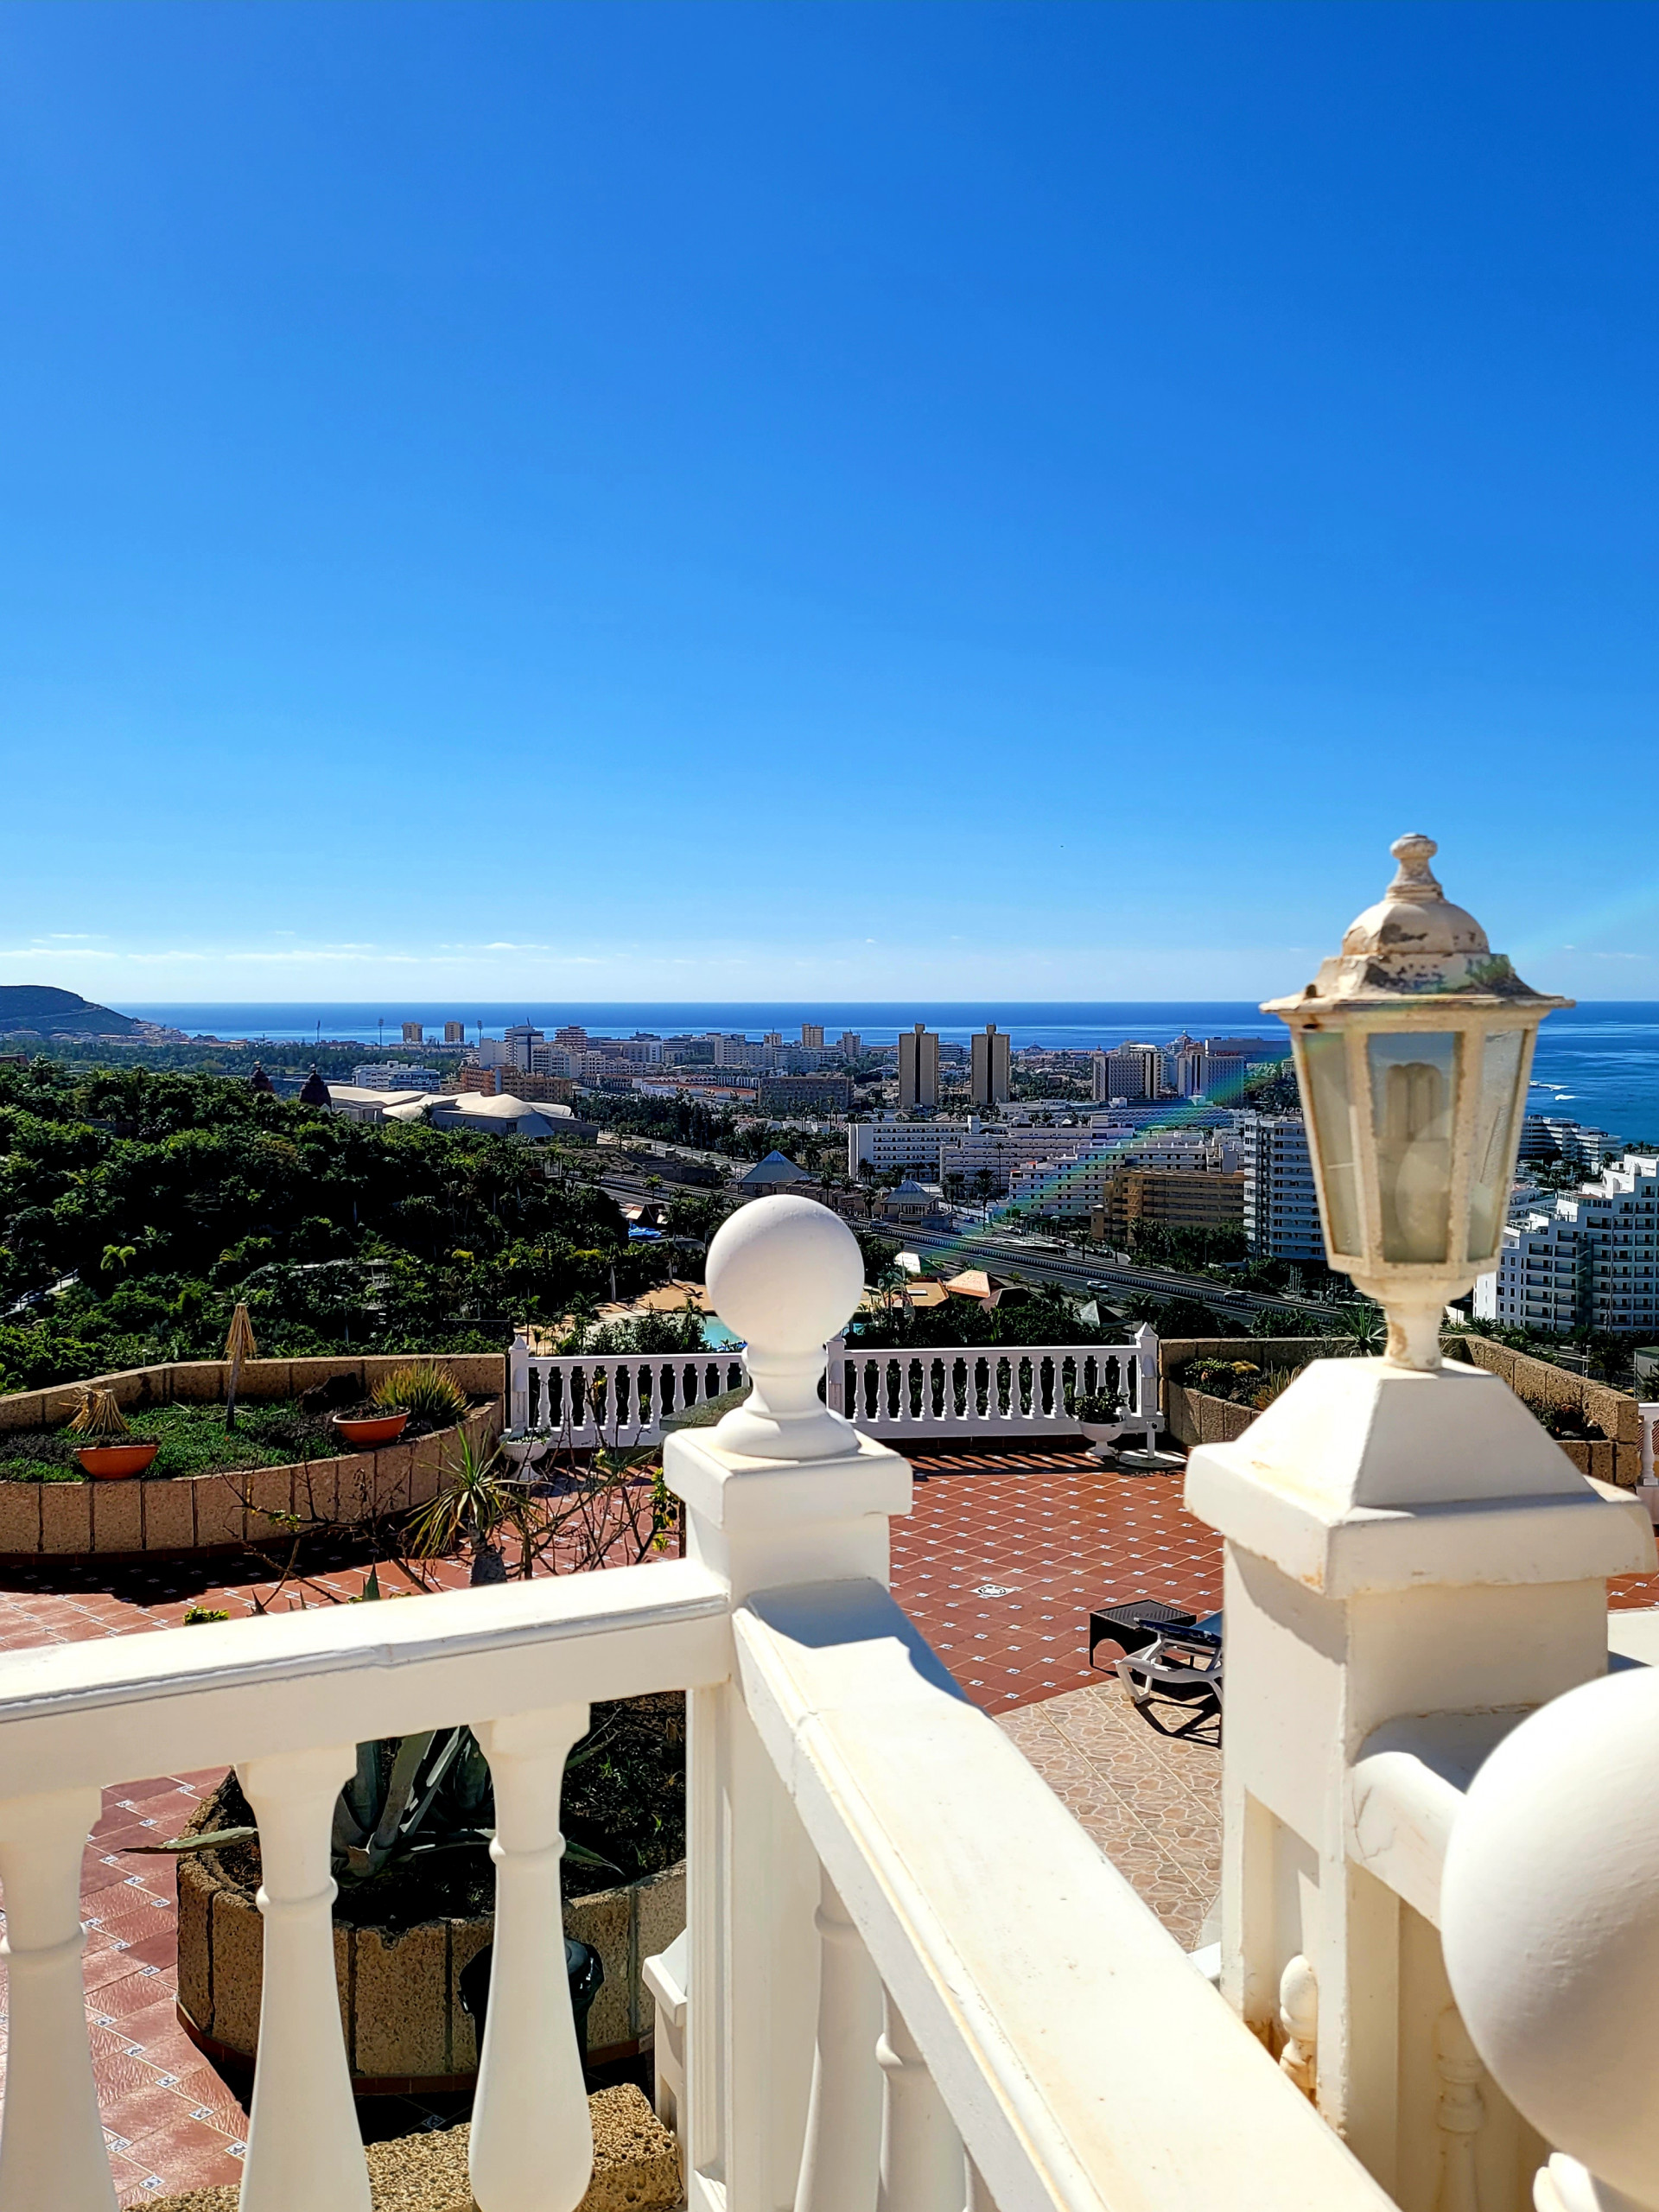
[1598, 1063]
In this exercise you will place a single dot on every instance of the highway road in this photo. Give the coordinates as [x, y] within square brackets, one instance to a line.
[1008, 1256]
[981, 1247]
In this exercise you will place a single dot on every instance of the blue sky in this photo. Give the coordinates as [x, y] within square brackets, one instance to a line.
[704, 500]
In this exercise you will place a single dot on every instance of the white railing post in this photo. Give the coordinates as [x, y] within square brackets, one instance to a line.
[304, 2147]
[1399, 1543]
[532, 2144]
[923, 2169]
[782, 1492]
[518, 1382]
[51, 2142]
[1148, 1403]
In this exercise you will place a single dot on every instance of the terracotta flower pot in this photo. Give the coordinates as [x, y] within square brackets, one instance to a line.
[374, 1428]
[113, 1463]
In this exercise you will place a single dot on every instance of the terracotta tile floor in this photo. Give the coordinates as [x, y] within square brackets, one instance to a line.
[1000, 1563]
[1004, 1556]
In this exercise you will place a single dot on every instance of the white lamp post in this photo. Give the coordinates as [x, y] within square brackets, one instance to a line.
[1413, 1048]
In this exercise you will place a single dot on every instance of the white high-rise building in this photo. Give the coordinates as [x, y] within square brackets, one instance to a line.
[1281, 1210]
[1129, 1071]
[1592, 1261]
[521, 1041]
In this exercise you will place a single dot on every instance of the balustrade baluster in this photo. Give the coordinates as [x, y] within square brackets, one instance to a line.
[1460, 2114]
[532, 2145]
[979, 2197]
[841, 2163]
[51, 2149]
[923, 2167]
[304, 2147]
[1299, 2016]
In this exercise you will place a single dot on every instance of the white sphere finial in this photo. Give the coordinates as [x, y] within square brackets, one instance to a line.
[784, 1274]
[1549, 1919]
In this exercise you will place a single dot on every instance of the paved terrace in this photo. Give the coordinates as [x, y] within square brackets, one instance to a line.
[1000, 1563]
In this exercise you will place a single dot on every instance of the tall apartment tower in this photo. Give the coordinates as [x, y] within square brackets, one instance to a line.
[991, 1065]
[813, 1033]
[852, 1045]
[918, 1067]
[414, 1034]
[1132, 1071]
[454, 1032]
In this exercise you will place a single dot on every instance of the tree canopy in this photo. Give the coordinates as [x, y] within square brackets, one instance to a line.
[137, 1206]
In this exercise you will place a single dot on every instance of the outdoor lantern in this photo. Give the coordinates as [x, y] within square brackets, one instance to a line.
[1414, 1048]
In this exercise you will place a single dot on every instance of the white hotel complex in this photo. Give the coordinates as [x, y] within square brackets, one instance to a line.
[1592, 1261]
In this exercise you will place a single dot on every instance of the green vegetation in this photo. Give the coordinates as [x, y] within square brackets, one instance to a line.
[195, 1439]
[421, 1390]
[137, 1208]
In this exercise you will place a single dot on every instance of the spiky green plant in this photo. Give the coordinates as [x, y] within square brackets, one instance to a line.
[476, 1504]
[421, 1388]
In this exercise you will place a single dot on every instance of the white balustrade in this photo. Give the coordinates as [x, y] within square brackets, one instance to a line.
[585, 1399]
[909, 1982]
[992, 1390]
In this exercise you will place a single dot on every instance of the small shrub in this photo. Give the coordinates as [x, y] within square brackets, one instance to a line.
[1101, 1406]
[423, 1391]
[194, 1616]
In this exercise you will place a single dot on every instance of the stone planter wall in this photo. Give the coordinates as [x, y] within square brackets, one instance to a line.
[189, 1513]
[1194, 1417]
[400, 1995]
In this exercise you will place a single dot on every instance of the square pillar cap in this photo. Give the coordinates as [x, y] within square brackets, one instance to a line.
[1367, 1475]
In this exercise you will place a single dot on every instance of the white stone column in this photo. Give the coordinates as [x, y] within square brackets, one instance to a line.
[782, 1492]
[1399, 1544]
[518, 1383]
[51, 2140]
[303, 2143]
[532, 2148]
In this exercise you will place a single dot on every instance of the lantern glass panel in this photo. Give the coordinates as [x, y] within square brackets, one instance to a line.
[1489, 1170]
[1325, 1056]
[1414, 1111]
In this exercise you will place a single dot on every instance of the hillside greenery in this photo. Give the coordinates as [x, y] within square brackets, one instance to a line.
[137, 1206]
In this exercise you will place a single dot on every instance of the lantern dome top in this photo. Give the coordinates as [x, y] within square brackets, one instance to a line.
[1414, 916]
[1414, 944]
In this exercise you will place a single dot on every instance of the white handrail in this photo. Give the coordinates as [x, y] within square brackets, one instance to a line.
[1084, 2063]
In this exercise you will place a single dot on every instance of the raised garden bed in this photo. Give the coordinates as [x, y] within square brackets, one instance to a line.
[402, 1940]
[282, 1459]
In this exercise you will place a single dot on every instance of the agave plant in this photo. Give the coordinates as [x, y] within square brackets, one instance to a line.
[422, 1388]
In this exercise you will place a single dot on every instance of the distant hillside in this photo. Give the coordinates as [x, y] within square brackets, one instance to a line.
[48, 1013]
